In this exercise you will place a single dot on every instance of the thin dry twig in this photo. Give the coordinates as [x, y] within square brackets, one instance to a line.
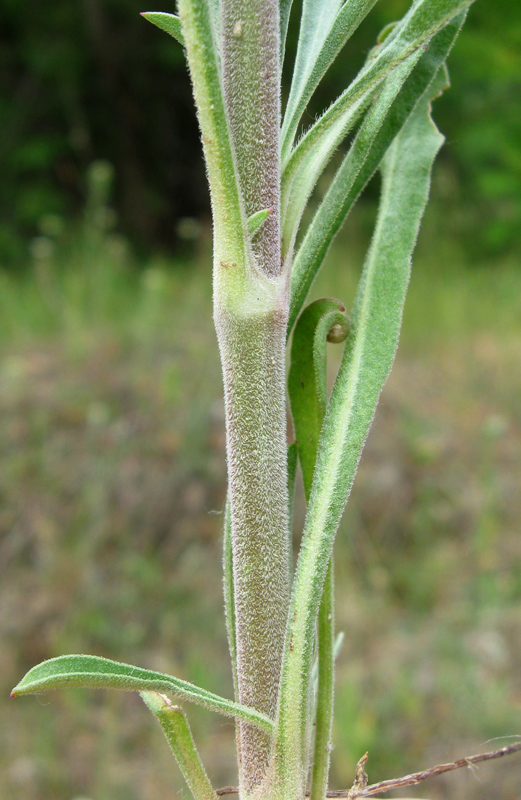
[408, 780]
[417, 777]
[361, 779]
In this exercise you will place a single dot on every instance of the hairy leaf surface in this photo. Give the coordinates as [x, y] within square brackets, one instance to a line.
[413, 33]
[179, 736]
[170, 23]
[321, 322]
[198, 20]
[325, 27]
[93, 672]
[366, 363]
[381, 124]
[285, 10]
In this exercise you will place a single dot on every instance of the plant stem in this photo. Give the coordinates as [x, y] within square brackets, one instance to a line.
[251, 330]
[251, 79]
[177, 731]
[252, 348]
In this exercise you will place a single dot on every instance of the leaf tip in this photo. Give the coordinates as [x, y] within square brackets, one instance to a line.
[18, 690]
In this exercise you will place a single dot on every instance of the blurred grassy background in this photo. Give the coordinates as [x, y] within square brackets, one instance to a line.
[112, 474]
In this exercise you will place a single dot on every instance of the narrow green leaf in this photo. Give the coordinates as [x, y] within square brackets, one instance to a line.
[366, 363]
[380, 126]
[385, 32]
[321, 321]
[179, 736]
[302, 173]
[170, 23]
[325, 27]
[325, 688]
[339, 641]
[215, 16]
[257, 220]
[198, 19]
[308, 159]
[93, 672]
[292, 479]
[285, 9]
[229, 594]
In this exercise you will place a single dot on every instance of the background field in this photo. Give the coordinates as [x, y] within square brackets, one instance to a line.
[112, 474]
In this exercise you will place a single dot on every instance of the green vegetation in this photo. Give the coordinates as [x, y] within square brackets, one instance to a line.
[81, 81]
[112, 458]
[280, 615]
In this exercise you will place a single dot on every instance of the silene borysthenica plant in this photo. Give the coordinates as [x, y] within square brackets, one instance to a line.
[262, 170]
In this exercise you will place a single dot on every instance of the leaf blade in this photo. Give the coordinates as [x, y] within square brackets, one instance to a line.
[229, 594]
[284, 11]
[198, 20]
[307, 377]
[324, 29]
[380, 126]
[94, 672]
[309, 157]
[325, 687]
[257, 220]
[322, 321]
[170, 23]
[367, 360]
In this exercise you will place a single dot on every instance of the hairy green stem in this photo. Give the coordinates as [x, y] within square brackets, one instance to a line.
[252, 344]
[179, 736]
[251, 330]
[251, 79]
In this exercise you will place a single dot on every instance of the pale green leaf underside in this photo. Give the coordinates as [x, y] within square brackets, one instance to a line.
[314, 150]
[179, 736]
[229, 594]
[325, 27]
[367, 360]
[292, 479]
[93, 672]
[170, 23]
[215, 16]
[285, 9]
[298, 185]
[381, 124]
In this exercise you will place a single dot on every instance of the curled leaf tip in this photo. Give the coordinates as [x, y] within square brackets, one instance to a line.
[339, 331]
[330, 301]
